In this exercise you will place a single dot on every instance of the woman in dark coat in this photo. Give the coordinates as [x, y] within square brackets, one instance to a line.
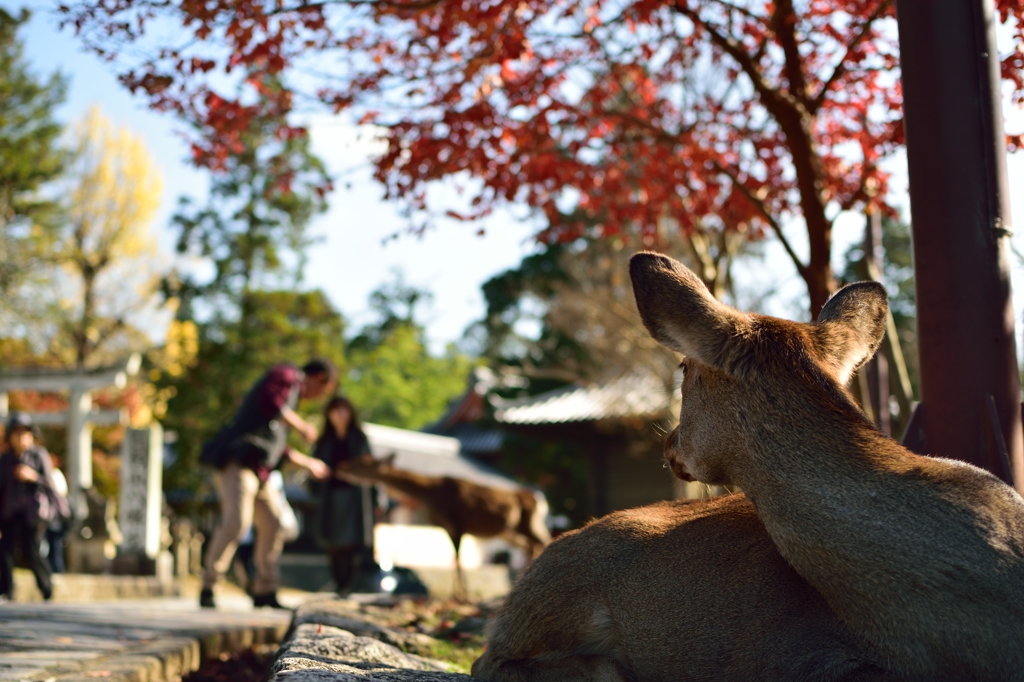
[26, 501]
[346, 514]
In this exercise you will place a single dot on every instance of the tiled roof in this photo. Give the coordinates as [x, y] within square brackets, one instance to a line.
[629, 396]
[477, 439]
[430, 455]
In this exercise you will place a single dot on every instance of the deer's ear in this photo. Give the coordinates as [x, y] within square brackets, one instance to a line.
[679, 311]
[851, 325]
[389, 460]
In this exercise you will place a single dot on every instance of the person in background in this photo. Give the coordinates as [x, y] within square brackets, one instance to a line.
[57, 528]
[26, 502]
[244, 452]
[343, 524]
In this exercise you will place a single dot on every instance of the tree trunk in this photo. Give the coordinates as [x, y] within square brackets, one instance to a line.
[807, 162]
[793, 112]
[81, 335]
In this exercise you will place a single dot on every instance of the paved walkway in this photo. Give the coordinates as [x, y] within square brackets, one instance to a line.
[108, 640]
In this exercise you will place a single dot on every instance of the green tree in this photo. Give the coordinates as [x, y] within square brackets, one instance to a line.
[566, 314]
[254, 228]
[398, 382]
[30, 157]
[393, 377]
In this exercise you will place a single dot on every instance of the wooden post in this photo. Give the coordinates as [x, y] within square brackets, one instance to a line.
[959, 201]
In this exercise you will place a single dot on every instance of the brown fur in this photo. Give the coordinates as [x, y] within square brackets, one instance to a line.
[669, 592]
[922, 557]
[463, 507]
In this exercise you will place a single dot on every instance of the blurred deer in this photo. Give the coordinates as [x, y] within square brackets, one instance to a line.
[462, 507]
[685, 590]
[922, 558]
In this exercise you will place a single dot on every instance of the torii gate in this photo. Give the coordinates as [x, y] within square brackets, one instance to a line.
[80, 416]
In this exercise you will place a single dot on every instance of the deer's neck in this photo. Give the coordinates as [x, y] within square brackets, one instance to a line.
[798, 476]
[418, 487]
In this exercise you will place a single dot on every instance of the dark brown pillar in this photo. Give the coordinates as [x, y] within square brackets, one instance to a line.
[960, 213]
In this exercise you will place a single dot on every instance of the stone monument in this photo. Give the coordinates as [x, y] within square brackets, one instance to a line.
[140, 510]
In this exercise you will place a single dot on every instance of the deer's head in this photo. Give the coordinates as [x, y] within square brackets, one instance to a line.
[746, 376]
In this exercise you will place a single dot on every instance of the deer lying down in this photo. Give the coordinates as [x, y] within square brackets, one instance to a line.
[923, 558]
[462, 507]
[685, 590]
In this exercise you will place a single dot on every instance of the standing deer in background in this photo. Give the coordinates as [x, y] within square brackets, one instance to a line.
[462, 507]
[922, 558]
[684, 590]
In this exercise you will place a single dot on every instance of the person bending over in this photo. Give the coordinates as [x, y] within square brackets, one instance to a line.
[244, 452]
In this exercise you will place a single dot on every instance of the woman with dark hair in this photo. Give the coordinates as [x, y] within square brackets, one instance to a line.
[346, 510]
[27, 503]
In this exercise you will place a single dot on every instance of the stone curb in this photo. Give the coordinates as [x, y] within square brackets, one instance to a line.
[328, 641]
[166, 660]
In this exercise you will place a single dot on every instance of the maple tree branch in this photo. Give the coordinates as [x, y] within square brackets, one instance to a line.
[732, 7]
[861, 193]
[801, 268]
[842, 66]
[784, 25]
[394, 4]
[779, 104]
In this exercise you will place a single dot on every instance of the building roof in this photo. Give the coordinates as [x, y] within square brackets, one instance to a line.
[430, 455]
[402, 440]
[634, 395]
[477, 440]
[464, 416]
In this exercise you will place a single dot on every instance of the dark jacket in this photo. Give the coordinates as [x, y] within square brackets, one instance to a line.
[21, 497]
[343, 518]
[256, 436]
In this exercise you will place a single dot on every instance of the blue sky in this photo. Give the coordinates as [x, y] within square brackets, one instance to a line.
[352, 258]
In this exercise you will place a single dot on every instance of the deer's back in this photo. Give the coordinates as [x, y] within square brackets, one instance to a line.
[671, 591]
[924, 558]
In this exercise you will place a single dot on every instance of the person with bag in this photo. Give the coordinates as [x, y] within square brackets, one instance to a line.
[244, 453]
[28, 502]
[58, 527]
[345, 524]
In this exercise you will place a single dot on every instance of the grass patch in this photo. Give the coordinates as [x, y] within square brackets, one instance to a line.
[456, 628]
[459, 653]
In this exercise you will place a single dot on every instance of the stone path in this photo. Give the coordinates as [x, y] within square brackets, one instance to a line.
[146, 640]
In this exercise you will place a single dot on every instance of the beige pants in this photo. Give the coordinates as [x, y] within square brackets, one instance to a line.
[244, 502]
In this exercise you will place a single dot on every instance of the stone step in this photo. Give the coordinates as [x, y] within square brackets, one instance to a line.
[81, 587]
[145, 640]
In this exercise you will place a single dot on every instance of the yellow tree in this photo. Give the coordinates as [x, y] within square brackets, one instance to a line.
[109, 248]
